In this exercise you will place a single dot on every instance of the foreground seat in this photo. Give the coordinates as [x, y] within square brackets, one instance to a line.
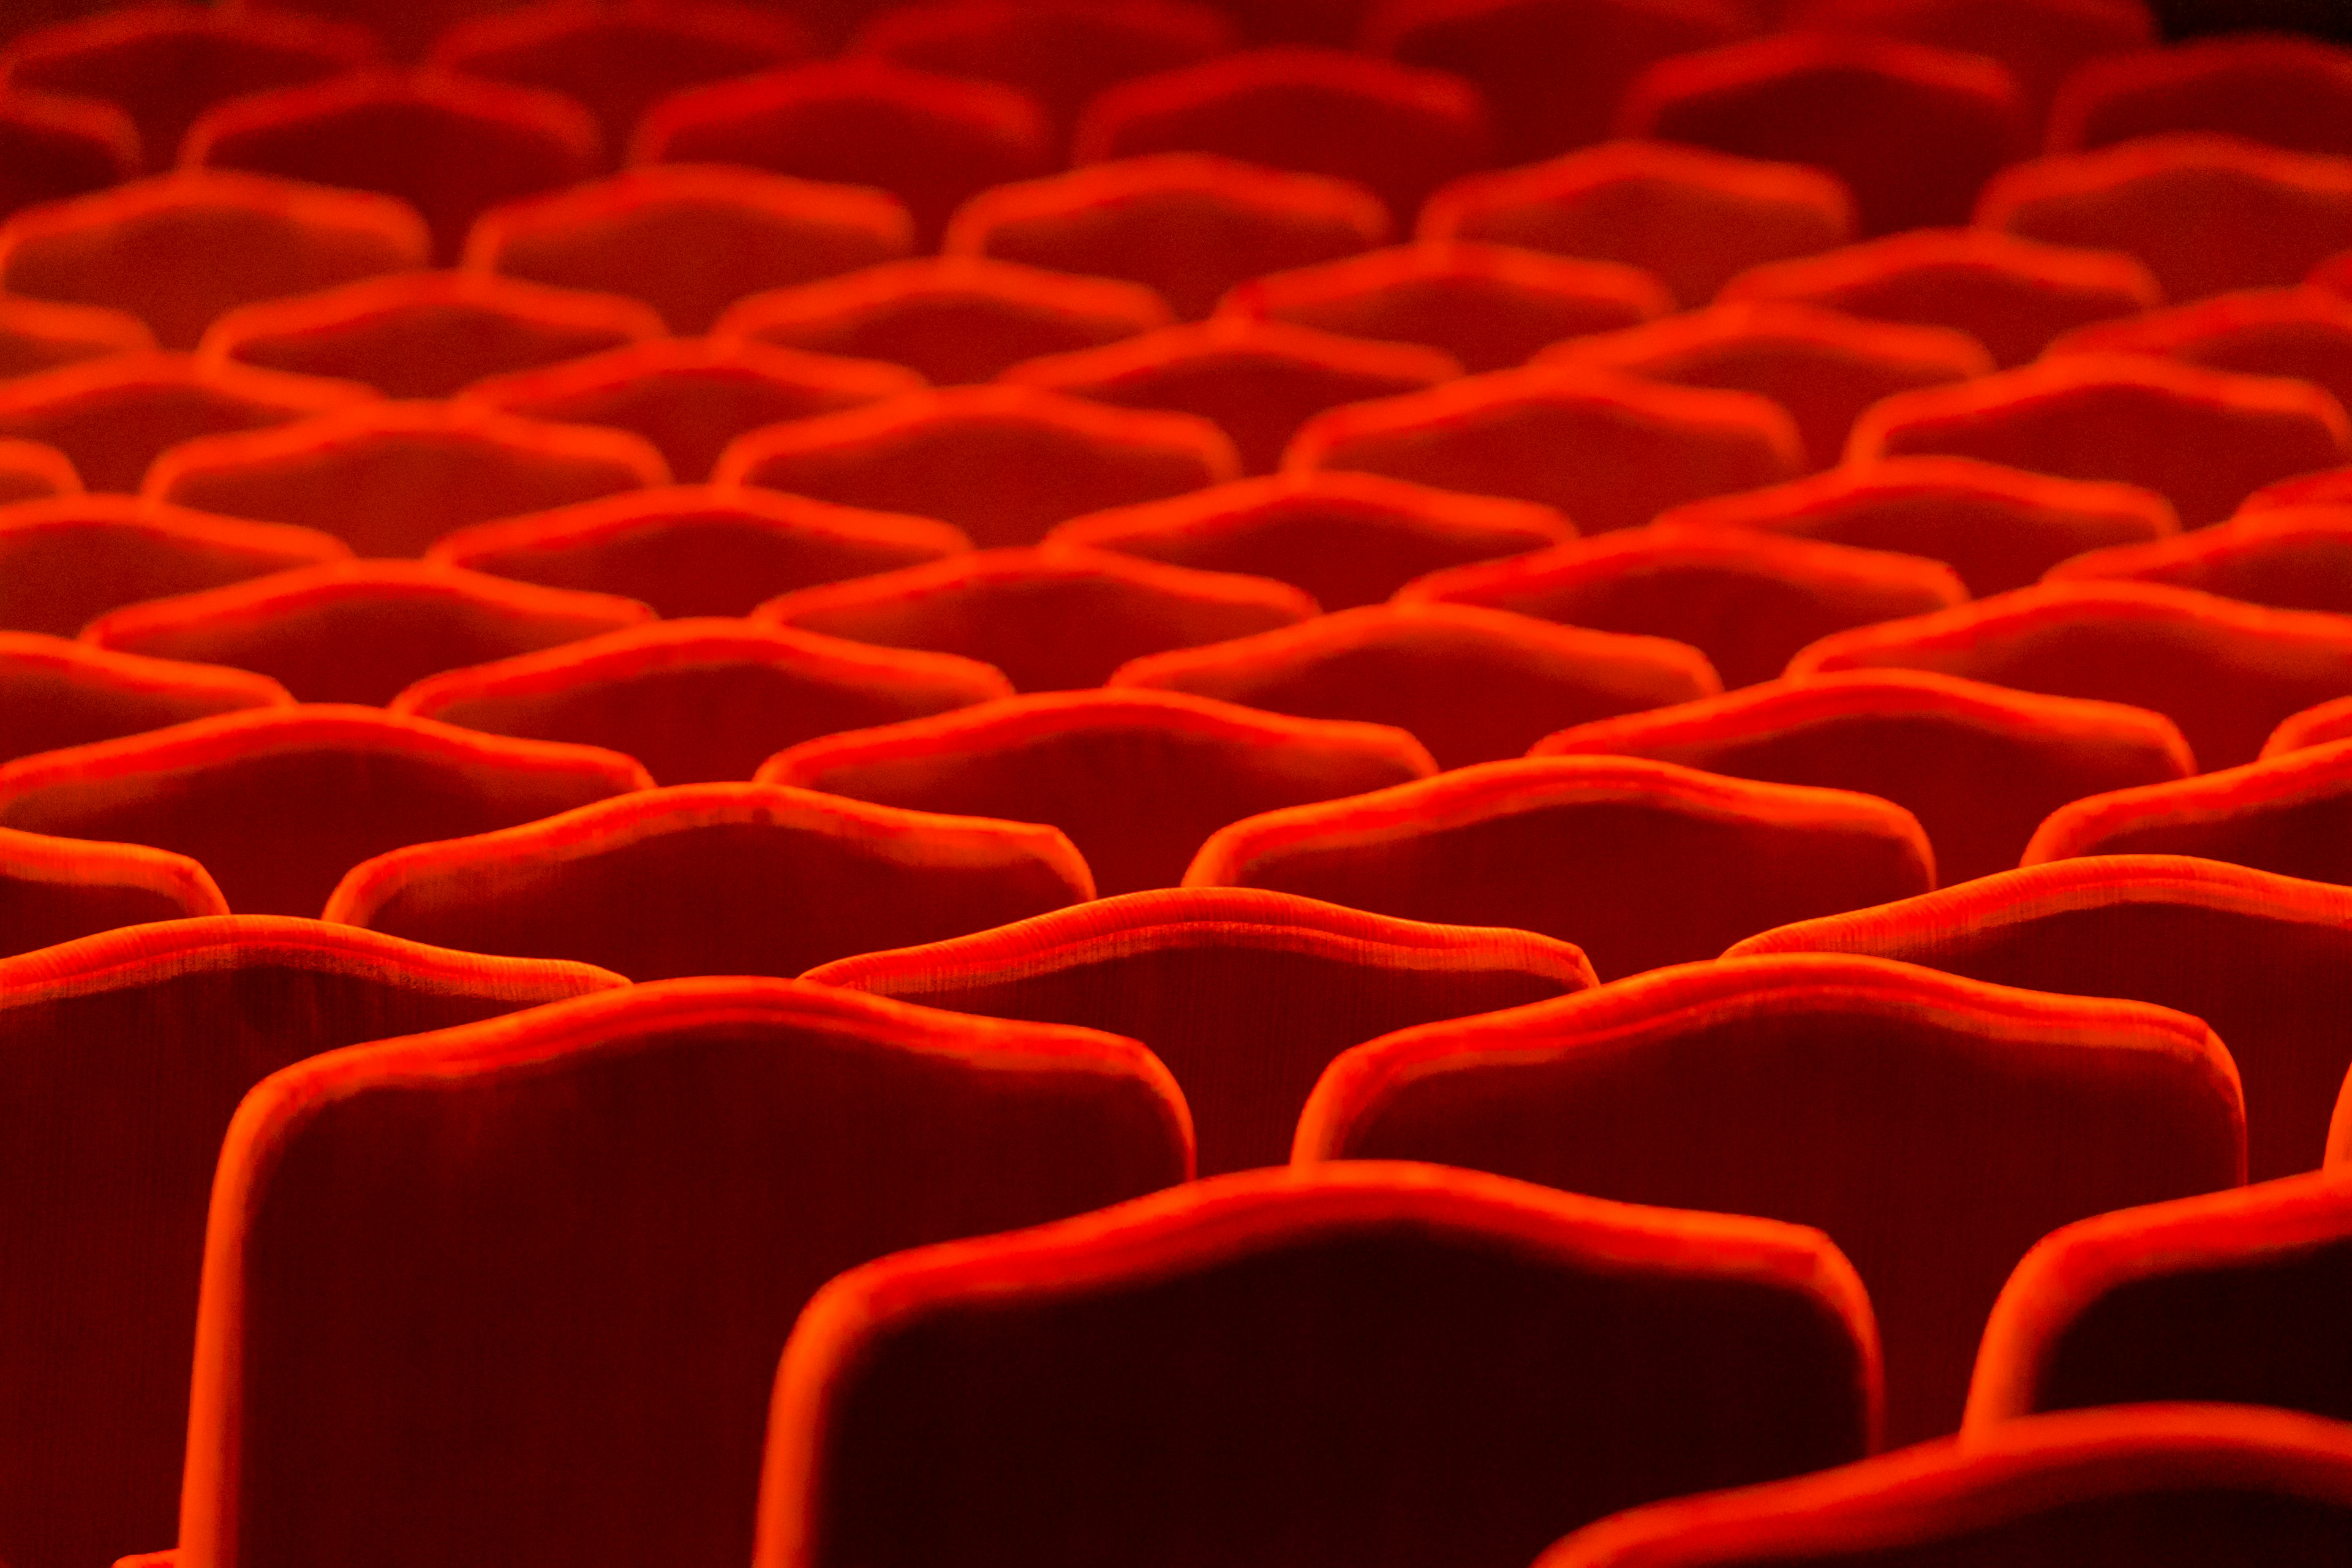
[55, 890]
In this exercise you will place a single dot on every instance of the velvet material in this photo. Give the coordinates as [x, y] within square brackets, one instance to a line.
[2291, 814]
[2328, 487]
[558, 1345]
[1640, 863]
[2279, 89]
[56, 693]
[1935, 1128]
[2141, 1487]
[34, 470]
[1136, 779]
[1393, 1364]
[2302, 332]
[123, 1056]
[2266, 960]
[280, 803]
[54, 146]
[2290, 558]
[719, 879]
[65, 559]
[41, 334]
[2314, 726]
[55, 890]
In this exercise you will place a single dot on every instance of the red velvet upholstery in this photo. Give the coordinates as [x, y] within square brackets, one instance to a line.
[102, 1218]
[2314, 726]
[2225, 672]
[956, 319]
[1692, 217]
[1644, 863]
[2329, 486]
[55, 890]
[2042, 42]
[1347, 538]
[2300, 332]
[34, 470]
[700, 701]
[1935, 1128]
[2143, 1487]
[2266, 960]
[1136, 779]
[1745, 598]
[2279, 89]
[696, 550]
[408, 26]
[1998, 528]
[2291, 558]
[564, 1342]
[715, 878]
[1979, 765]
[1190, 224]
[1003, 463]
[53, 145]
[2291, 814]
[1192, 1378]
[1412, 665]
[689, 239]
[278, 803]
[390, 477]
[65, 559]
[56, 693]
[41, 334]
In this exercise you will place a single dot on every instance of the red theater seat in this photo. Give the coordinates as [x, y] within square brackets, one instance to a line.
[41, 334]
[2302, 331]
[1690, 217]
[565, 1340]
[1609, 450]
[1136, 779]
[1934, 1127]
[1998, 528]
[67, 559]
[1412, 665]
[690, 239]
[54, 145]
[1489, 306]
[1643, 863]
[1257, 381]
[388, 478]
[408, 26]
[56, 693]
[179, 250]
[2291, 814]
[426, 334]
[2225, 672]
[931, 141]
[956, 319]
[700, 701]
[1979, 765]
[278, 803]
[2315, 726]
[1003, 463]
[715, 878]
[2042, 42]
[1346, 538]
[697, 550]
[1189, 225]
[35, 470]
[2328, 487]
[55, 890]
[165, 1026]
[1369, 1363]
[1747, 599]
[2291, 558]
[2287, 91]
[2266, 960]
[2145, 1486]
[690, 397]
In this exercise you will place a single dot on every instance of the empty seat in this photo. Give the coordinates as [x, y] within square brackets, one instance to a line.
[2205, 439]
[280, 803]
[1609, 450]
[2042, 42]
[2266, 960]
[69, 559]
[931, 141]
[690, 239]
[2291, 814]
[2287, 91]
[2225, 672]
[1747, 599]
[2292, 558]
[2012, 295]
[1979, 765]
[407, 26]
[388, 478]
[1050, 619]
[178, 249]
[1690, 217]
[1258, 381]
[1822, 366]
[57, 693]
[1643, 863]
[956, 319]
[1003, 463]
[566, 1339]
[449, 146]
[1934, 1127]
[35, 470]
[1412, 665]
[1136, 779]
[1347, 538]
[715, 878]
[55, 890]
[690, 397]
[1366, 1361]
[2314, 726]
[696, 550]
[2328, 487]
[699, 700]
[2300, 332]
[165, 1027]
[54, 145]
[426, 334]
[1489, 306]
[1190, 224]
[41, 334]
[1998, 528]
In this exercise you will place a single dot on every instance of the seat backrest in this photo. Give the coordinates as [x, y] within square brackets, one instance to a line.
[2289, 558]
[55, 890]
[66, 560]
[56, 693]
[2291, 814]
[2278, 89]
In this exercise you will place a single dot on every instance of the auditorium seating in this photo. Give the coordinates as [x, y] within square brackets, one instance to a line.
[55, 890]
[2291, 814]
[57, 693]
[2301, 332]
[2314, 726]
[66, 560]
[2290, 558]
